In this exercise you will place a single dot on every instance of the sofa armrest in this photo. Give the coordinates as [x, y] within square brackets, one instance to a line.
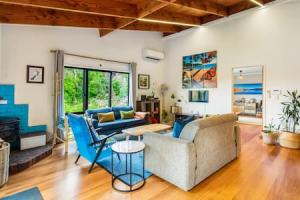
[171, 159]
[94, 123]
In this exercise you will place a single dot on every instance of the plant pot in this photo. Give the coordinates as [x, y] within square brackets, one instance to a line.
[269, 138]
[289, 140]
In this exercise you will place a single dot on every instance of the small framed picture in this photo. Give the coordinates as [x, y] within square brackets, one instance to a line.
[35, 74]
[144, 81]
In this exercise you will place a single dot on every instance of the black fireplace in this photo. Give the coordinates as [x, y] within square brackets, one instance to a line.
[10, 131]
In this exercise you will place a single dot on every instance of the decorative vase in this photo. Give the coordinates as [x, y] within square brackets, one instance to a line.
[289, 140]
[269, 138]
[4, 162]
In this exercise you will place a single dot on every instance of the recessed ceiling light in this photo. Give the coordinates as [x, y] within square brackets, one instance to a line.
[166, 22]
[257, 3]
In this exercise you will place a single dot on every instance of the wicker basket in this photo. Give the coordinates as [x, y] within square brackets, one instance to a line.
[4, 163]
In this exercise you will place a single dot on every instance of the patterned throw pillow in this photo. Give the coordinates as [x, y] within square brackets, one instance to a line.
[106, 117]
[127, 114]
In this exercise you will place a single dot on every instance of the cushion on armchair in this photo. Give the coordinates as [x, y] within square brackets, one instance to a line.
[179, 125]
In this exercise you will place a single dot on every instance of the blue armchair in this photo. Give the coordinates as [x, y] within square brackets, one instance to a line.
[89, 143]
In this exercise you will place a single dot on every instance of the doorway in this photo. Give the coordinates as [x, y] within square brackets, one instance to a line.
[248, 94]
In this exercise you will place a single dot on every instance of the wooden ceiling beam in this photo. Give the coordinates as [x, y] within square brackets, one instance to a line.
[239, 7]
[144, 26]
[166, 34]
[208, 18]
[16, 14]
[165, 15]
[207, 6]
[148, 7]
[145, 8]
[96, 7]
[103, 32]
[258, 1]
[236, 8]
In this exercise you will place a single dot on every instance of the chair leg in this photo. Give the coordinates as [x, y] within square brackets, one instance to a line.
[77, 159]
[118, 156]
[91, 167]
[97, 155]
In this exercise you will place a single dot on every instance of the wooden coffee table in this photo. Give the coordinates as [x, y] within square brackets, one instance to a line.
[140, 130]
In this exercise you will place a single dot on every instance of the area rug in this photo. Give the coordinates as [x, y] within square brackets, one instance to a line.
[31, 194]
[120, 166]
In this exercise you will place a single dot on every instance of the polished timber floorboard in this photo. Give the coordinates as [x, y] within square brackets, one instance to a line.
[261, 172]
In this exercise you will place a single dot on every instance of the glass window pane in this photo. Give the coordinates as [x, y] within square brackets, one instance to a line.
[98, 89]
[120, 89]
[73, 90]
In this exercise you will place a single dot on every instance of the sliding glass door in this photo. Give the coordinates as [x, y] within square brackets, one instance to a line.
[98, 89]
[120, 89]
[91, 89]
[73, 90]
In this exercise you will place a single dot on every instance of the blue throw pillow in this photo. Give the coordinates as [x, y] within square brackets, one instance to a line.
[179, 125]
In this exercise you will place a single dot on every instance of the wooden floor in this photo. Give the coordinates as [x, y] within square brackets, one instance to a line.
[261, 172]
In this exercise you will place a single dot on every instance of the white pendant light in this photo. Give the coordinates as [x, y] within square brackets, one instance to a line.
[241, 77]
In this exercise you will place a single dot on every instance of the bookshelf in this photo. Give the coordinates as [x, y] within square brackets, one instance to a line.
[151, 106]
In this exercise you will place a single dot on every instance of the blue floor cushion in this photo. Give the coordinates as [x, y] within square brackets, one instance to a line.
[30, 194]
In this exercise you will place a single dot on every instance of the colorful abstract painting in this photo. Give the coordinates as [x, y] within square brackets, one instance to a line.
[200, 71]
[248, 88]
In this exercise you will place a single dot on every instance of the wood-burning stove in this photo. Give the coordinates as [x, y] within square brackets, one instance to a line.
[10, 131]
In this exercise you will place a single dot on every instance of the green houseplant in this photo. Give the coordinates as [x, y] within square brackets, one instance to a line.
[290, 118]
[270, 134]
[165, 116]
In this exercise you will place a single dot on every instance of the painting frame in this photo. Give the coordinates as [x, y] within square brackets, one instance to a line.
[248, 89]
[35, 74]
[144, 81]
[199, 71]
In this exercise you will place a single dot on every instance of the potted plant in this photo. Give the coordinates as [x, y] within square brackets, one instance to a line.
[269, 134]
[165, 116]
[290, 117]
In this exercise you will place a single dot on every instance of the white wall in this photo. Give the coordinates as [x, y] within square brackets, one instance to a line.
[268, 37]
[23, 45]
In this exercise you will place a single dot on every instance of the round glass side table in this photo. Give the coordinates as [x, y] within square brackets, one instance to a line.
[128, 148]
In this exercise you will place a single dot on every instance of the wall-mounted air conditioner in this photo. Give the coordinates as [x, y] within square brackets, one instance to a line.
[153, 54]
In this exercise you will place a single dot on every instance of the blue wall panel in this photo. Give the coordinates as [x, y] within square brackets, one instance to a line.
[17, 110]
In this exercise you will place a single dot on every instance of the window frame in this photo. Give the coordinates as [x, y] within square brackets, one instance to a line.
[85, 96]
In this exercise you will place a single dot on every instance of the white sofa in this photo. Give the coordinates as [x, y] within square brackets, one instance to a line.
[204, 146]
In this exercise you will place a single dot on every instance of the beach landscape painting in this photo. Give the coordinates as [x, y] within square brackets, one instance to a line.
[200, 71]
[248, 88]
